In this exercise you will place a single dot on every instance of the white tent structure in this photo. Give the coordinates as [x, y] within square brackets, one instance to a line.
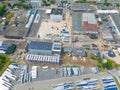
[34, 72]
[43, 58]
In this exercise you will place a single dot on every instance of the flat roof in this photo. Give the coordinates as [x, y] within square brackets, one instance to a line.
[48, 11]
[116, 19]
[104, 7]
[89, 17]
[57, 11]
[77, 21]
[57, 47]
[78, 51]
[81, 6]
[44, 58]
[16, 30]
[111, 1]
[40, 45]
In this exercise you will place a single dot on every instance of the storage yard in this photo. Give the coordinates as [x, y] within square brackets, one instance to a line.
[74, 83]
[65, 46]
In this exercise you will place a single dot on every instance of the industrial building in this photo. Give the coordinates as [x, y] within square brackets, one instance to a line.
[56, 14]
[89, 23]
[7, 48]
[43, 59]
[84, 23]
[81, 7]
[16, 29]
[103, 9]
[111, 1]
[77, 22]
[115, 19]
[107, 35]
[35, 3]
[44, 48]
[77, 51]
[21, 26]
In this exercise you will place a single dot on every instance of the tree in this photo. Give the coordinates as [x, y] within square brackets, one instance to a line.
[117, 5]
[9, 16]
[52, 1]
[2, 10]
[108, 65]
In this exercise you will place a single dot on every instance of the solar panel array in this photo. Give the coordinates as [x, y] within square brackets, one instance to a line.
[43, 58]
[40, 45]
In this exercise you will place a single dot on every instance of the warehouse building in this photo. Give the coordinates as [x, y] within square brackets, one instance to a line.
[56, 14]
[43, 59]
[89, 23]
[77, 22]
[7, 48]
[16, 29]
[107, 35]
[78, 51]
[44, 48]
[115, 19]
[35, 3]
[103, 9]
[81, 7]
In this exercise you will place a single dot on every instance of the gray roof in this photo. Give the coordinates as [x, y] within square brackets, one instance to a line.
[116, 19]
[16, 31]
[40, 45]
[104, 7]
[77, 51]
[67, 49]
[57, 11]
[81, 6]
[111, 1]
[77, 22]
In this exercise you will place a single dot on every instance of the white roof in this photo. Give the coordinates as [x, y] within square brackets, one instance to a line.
[34, 72]
[1, 42]
[44, 58]
[2, 52]
[89, 17]
[107, 11]
[48, 11]
[35, 1]
[118, 49]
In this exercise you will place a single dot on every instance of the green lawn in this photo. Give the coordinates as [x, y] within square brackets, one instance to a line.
[6, 63]
[108, 65]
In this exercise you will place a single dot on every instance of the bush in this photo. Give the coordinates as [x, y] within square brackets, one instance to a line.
[108, 65]
[4, 63]
[9, 16]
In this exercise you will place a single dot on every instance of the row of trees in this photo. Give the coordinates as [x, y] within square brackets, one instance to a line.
[21, 6]
[81, 1]
[110, 4]
[107, 65]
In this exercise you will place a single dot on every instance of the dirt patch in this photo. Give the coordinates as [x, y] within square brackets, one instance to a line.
[79, 61]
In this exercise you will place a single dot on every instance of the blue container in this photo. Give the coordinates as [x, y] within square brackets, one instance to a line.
[111, 54]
